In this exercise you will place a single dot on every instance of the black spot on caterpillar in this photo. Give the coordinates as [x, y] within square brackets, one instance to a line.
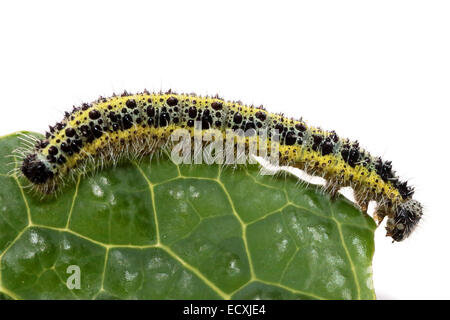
[131, 126]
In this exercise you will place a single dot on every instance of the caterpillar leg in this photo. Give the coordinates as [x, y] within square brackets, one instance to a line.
[379, 215]
[332, 189]
[362, 201]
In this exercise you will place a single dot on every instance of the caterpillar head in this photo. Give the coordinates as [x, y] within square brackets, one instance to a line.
[35, 170]
[407, 216]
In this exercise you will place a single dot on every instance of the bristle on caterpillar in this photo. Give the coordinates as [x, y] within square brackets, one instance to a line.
[131, 126]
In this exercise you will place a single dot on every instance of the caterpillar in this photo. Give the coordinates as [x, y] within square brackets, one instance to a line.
[134, 125]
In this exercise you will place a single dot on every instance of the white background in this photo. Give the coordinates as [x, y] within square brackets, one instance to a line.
[376, 71]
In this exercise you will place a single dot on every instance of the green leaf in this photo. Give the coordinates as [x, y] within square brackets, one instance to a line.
[155, 230]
